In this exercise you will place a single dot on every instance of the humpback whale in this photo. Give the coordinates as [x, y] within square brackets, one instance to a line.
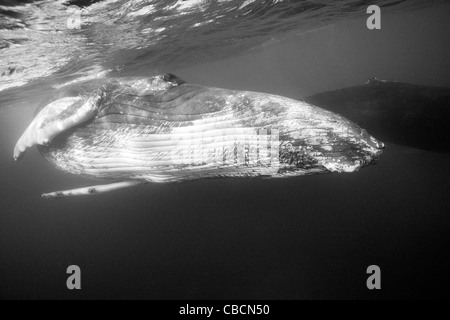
[136, 130]
[401, 113]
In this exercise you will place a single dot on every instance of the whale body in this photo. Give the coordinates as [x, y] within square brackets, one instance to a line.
[402, 113]
[162, 129]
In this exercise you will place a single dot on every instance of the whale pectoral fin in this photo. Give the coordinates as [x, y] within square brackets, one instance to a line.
[57, 117]
[87, 191]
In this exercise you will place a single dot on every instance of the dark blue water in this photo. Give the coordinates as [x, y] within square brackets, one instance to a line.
[300, 238]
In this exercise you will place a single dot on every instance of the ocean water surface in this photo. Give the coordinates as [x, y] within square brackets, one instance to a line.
[309, 237]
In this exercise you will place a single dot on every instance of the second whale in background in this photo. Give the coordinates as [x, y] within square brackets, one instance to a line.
[401, 113]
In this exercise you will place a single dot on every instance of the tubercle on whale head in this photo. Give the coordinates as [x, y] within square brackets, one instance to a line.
[373, 147]
[367, 142]
[349, 161]
[370, 140]
[335, 144]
